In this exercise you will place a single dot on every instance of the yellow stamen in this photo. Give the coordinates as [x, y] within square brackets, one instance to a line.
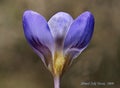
[58, 63]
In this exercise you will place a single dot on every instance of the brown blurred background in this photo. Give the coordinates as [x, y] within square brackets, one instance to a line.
[20, 67]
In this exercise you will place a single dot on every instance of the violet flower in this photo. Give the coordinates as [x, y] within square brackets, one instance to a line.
[58, 41]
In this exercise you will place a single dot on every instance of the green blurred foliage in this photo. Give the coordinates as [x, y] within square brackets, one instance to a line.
[20, 67]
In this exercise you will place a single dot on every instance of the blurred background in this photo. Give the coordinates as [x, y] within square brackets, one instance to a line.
[20, 67]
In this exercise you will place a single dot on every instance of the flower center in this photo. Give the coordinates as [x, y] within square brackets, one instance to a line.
[58, 63]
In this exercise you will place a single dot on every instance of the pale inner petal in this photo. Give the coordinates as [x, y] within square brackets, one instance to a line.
[59, 24]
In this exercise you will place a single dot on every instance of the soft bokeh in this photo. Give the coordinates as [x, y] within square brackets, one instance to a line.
[20, 67]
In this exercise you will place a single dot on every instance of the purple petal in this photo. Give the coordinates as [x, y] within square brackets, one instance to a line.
[59, 25]
[38, 34]
[79, 34]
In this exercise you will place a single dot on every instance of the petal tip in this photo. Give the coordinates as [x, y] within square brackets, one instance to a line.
[29, 12]
[88, 14]
[62, 14]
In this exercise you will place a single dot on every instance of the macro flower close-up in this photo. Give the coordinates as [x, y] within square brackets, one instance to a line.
[60, 40]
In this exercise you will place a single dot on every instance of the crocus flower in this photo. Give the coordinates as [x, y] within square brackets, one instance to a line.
[58, 41]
